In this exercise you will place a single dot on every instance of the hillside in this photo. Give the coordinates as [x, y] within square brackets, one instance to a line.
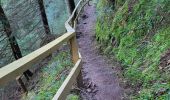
[85, 50]
[137, 32]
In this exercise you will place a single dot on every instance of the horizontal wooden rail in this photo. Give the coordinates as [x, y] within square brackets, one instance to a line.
[65, 87]
[76, 71]
[68, 27]
[16, 68]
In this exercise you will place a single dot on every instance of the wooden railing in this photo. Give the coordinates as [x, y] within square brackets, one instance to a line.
[16, 68]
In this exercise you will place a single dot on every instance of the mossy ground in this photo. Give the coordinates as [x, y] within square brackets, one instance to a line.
[73, 97]
[52, 77]
[137, 32]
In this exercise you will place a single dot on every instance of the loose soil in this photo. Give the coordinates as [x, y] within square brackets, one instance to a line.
[99, 77]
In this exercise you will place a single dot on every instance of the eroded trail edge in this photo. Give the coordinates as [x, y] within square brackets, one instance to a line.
[100, 81]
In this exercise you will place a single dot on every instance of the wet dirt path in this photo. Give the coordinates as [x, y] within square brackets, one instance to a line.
[100, 81]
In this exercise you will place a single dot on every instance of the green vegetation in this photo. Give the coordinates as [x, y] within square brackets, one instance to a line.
[23, 30]
[51, 77]
[137, 32]
[73, 97]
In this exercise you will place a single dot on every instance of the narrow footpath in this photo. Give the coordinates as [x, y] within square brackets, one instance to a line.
[100, 81]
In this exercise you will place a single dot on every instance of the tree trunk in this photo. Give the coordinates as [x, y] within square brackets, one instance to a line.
[70, 6]
[12, 40]
[44, 17]
[111, 1]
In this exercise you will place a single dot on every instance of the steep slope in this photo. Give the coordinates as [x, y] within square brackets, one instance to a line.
[137, 32]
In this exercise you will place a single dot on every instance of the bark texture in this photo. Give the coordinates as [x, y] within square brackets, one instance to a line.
[12, 40]
[44, 17]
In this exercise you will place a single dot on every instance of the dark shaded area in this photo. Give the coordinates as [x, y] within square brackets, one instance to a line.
[44, 17]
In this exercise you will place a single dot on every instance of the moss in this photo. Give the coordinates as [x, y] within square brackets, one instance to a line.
[52, 77]
[141, 31]
[73, 97]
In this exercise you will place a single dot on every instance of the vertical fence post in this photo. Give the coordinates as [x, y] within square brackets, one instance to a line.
[74, 49]
[21, 83]
[75, 57]
[70, 8]
[80, 78]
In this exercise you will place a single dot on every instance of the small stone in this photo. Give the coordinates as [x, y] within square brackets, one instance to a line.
[161, 91]
[89, 90]
[84, 16]
[94, 91]
[168, 62]
[160, 68]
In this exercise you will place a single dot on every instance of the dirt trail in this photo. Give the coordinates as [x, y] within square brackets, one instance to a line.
[101, 83]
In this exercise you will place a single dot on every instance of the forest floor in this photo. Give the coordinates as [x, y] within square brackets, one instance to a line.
[99, 75]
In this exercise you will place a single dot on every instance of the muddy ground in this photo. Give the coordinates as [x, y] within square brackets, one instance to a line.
[99, 77]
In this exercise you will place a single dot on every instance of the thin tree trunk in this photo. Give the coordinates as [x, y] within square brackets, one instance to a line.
[12, 40]
[70, 6]
[44, 17]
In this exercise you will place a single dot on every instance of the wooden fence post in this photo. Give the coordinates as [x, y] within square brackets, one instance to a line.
[21, 83]
[74, 49]
[75, 57]
[80, 78]
[70, 6]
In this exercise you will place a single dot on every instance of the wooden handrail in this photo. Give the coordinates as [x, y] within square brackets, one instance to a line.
[64, 89]
[16, 68]
[68, 27]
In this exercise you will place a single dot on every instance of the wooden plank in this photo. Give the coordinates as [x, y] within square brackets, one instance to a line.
[63, 91]
[16, 68]
[67, 26]
[21, 83]
[76, 71]
[78, 14]
[80, 78]
[80, 55]
[74, 49]
[12, 70]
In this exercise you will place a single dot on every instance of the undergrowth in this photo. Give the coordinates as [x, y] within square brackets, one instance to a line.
[51, 78]
[138, 34]
[73, 97]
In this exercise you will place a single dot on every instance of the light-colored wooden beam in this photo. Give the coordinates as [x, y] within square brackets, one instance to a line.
[74, 49]
[63, 91]
[16, 68]
[11, 71]
[68, 27]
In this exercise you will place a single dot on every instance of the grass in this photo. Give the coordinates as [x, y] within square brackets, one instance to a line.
[52, 76]
[73, 97]
[138, 35]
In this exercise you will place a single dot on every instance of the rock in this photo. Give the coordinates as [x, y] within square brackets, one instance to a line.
[84, 16]
[78, 34]
[89, 90]
[168, 62]
[161, 91]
